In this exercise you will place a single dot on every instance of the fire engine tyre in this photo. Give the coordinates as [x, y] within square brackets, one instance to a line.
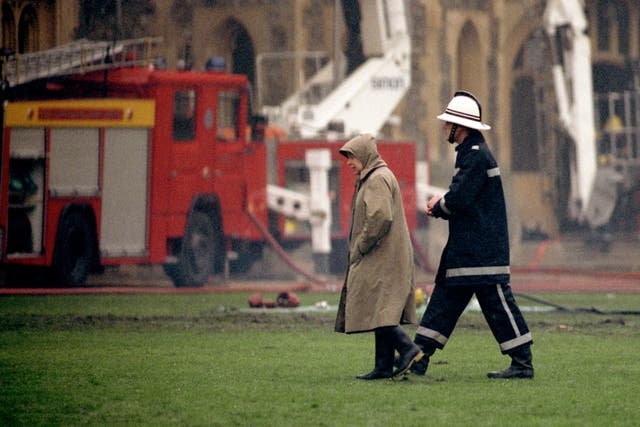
[73, 254]
[197, 258]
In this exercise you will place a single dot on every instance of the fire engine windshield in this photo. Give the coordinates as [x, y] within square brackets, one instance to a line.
[227, 116]
[184, 117]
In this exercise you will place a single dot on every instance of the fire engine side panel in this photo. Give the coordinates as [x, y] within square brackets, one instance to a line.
[68, 137]
[123, 222]
[74, 162]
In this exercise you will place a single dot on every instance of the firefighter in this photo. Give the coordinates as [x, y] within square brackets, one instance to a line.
[475, 260]
[379, 288]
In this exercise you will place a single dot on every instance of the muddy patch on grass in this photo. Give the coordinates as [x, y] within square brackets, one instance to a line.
[210, 321]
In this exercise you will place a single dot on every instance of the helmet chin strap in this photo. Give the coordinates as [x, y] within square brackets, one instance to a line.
[452, 134]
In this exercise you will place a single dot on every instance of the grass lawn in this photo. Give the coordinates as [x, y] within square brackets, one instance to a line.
[204, 360]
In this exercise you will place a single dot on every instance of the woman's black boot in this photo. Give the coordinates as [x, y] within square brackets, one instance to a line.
[384, 356]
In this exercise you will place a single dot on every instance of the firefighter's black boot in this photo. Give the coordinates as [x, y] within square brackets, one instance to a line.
[521, 365]
[410, 353]
[420, 367]
[384, 356]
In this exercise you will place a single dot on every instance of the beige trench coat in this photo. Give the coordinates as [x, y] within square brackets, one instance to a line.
[379, 287]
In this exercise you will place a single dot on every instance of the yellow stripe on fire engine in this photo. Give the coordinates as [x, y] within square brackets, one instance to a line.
[81, 113]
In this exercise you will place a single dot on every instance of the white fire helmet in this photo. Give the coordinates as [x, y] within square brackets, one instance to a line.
[464, 110]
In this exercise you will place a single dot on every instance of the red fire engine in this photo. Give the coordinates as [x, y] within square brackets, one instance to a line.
[135, 165]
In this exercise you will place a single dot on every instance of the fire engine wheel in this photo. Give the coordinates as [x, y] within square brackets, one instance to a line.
[73, 252]
[197, 258]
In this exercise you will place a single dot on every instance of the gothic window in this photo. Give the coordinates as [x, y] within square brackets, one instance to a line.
[524, 135]
[528, 104]
[604, 17]
[613, 26]
[243, 54]
[8, 28]
[28, 30]
[21, 36]
[470, 75]
[622, 19]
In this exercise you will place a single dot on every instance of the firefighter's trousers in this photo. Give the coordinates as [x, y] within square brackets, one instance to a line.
[498, 307]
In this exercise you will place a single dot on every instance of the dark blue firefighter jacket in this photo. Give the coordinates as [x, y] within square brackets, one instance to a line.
[477, 251]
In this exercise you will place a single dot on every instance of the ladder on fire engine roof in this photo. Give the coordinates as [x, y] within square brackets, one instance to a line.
[77, 57]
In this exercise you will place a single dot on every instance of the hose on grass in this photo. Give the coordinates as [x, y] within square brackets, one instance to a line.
[593, 310]
[313, 278]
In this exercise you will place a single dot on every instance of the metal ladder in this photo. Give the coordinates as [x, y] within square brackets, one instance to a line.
[77, 57]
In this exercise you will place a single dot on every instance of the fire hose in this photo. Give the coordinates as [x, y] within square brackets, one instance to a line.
[273, 242]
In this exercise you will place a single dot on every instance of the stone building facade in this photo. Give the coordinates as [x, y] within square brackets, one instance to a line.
[495, 48]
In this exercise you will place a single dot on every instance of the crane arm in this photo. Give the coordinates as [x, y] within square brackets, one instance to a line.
[566, 24]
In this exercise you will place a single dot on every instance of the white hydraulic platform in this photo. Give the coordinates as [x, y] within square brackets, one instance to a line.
[365, 100]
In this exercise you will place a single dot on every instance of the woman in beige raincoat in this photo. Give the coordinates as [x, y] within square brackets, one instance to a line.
[379, 289]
